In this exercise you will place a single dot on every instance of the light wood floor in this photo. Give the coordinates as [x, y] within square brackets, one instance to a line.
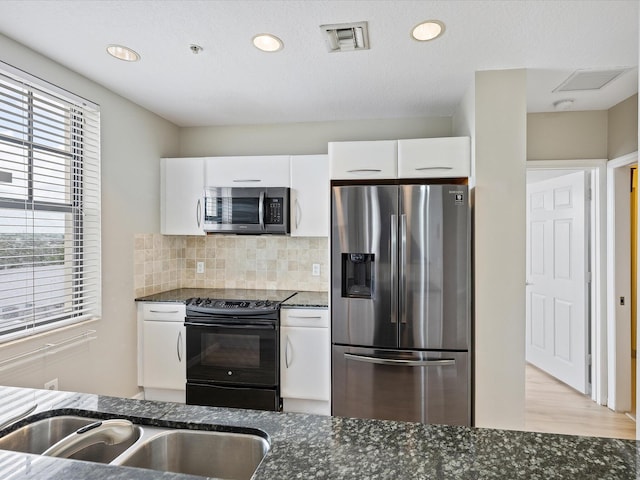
[553, 407]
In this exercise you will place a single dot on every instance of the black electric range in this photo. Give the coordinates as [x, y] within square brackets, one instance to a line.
[233, 350]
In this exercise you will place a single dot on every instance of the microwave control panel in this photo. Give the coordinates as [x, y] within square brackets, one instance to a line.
[273, 211]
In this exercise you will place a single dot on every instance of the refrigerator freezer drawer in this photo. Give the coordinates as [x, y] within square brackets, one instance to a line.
[425, 386]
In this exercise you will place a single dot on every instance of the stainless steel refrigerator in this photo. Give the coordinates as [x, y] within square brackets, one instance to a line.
[400, 302]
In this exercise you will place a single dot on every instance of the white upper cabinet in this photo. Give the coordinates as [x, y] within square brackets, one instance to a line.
[434, 157]
[249, 171]
[309, 196]
[182, 187]
[363, 160]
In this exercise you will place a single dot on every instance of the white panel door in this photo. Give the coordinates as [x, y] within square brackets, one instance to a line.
[247, 171]
[305, 363]
[310, 196]
[557, 315]
[164, 355]
[182, 187]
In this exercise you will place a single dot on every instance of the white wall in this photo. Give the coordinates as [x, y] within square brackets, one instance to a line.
[132, 142]
[499, 229]
[302, 138]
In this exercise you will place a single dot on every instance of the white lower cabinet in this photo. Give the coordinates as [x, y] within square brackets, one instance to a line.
[162, 372]
[305, 364]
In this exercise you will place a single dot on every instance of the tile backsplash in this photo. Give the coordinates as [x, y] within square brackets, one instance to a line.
[164, 262]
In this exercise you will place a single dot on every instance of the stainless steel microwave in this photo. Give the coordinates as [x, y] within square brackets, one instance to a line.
[254, 210]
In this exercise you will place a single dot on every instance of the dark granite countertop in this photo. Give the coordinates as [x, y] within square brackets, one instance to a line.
[308, 300]
[317, 447]
[291, 298]
[183, 294]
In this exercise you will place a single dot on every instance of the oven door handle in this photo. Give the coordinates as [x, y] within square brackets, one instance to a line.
[246, 326]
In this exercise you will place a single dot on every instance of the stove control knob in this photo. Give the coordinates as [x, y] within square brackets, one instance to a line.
[229, 372]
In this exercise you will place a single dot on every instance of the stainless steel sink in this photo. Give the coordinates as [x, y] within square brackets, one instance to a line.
[210, 454]
[38, 436]
[226, 455]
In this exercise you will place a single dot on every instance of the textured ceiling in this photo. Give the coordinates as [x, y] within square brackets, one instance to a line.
[230, 82]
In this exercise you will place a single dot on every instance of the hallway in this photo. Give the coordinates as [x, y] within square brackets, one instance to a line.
[553, 407]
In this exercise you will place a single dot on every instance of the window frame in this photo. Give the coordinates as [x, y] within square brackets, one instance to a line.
[73, 183]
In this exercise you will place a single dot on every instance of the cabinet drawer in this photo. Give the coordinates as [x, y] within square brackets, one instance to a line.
[304, 317]
[168, 312]
[363, 160]
[434, 157]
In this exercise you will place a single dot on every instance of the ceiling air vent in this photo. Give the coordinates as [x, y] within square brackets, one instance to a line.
[346, 37]
[589, 80]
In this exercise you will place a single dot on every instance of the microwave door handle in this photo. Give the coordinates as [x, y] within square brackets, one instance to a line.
[261, 210]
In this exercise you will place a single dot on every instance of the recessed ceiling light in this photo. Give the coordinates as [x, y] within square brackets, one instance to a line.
[267, 42]
[123, 53]
[428, 30]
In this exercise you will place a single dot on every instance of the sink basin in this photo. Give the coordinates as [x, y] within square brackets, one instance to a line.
[40, 435]
[210, 454]
[226, 455]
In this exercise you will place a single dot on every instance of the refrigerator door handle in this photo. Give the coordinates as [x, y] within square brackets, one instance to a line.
[401, 362]
[394, 268]
[403, 262]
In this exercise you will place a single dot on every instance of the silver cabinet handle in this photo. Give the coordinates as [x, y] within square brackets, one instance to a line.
[298, 213]
[198, 212]
[401, 362]
[365, 170]
[164, 311]
[403, 262]
[261, 210]
[434, 168]
[301, 316]
[240, 180]
[394, 269]
[286, 352]
[179, 347]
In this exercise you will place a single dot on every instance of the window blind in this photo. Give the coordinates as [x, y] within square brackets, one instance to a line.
[49, 207]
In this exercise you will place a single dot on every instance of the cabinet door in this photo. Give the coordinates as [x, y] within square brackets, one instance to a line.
[310, 196]
[304, 363]
[164, 355]
[434, 157]
[250, 171]
[363, 160]
[182, 187]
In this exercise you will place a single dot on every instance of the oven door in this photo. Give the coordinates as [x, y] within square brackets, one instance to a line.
[239, 353]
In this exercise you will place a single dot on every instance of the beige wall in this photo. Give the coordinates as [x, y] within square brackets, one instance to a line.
[302, 138]
[499, 244]
[132, 141]
[622, 134]
[567, 135]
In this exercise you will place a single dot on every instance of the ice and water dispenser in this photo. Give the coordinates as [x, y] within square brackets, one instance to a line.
[357, 275]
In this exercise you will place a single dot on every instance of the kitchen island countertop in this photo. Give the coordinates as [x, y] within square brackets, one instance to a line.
[318, 447]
